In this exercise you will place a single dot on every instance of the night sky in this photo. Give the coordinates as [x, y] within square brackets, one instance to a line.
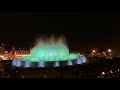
[81, 29]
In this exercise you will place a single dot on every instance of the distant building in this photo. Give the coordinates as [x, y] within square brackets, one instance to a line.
[2, 50]
[13, 50]
[22, 52]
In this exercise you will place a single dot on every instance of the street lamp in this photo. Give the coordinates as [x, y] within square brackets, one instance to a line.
[109, 51]
[104, 53]
[93, 52]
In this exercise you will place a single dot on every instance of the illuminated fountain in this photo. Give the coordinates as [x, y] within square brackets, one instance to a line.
[49, 51]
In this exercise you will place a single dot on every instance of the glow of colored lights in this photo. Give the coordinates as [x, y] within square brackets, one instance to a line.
[14, 62]
[103, 73]
[27, 64]
[79, 61]
[69, 63]
[41, 64]
[111, 71]
[93, 51]
[84, 59]
[109, 50]
[56, 64]
[118, 69]
[18, 63]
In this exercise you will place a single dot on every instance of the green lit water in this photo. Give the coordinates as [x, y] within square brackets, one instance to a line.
[50, 52]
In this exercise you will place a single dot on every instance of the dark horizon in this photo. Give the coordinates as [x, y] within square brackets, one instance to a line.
[82, 30]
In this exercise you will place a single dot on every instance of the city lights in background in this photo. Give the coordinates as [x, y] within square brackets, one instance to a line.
[93, 51]
[103, 73]
[109, 50]
[104, 53]
[20, 52]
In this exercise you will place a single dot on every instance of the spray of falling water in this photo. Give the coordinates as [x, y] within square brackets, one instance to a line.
[51, 49]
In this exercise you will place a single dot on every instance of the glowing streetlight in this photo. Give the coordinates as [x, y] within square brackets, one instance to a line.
[104, 53]
[93, 51]
[109, 50]
[103, 73]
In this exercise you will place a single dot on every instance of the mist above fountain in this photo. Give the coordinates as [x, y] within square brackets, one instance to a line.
[50, 50]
